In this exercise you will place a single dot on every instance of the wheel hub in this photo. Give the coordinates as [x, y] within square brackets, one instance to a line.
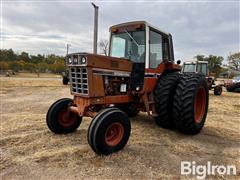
[200, 104]
[114, 134]
[66, 118]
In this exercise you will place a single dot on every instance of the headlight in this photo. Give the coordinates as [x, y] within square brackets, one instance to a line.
[84, 60]
[69, 60]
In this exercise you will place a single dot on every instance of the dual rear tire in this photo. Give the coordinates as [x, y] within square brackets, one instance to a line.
[181, 102]
[190, 104]
[163, 97]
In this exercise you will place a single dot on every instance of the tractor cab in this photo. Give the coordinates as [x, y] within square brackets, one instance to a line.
[141, 42]
[195, 67]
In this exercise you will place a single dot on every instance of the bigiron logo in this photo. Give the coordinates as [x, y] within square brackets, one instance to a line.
[201, 171]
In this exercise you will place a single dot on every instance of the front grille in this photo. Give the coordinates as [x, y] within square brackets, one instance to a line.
[79, 80]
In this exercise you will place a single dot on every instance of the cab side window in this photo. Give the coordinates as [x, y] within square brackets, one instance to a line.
[202, 68]
[156, 55]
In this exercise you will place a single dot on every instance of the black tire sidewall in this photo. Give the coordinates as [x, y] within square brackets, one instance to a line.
[52, 117]
[94, 123]
[104, 121]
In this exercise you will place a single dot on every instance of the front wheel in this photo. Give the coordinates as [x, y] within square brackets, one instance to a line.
[190, 104]
[65, 80]
[217, 90]
[60, 120]
[109, 131]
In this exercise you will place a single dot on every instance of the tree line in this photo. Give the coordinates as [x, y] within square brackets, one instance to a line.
[215, 63]
[9, 60]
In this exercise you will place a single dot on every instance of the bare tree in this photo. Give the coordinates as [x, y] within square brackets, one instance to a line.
[103, 45]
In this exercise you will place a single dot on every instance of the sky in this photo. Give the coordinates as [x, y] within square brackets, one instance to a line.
[45, 27]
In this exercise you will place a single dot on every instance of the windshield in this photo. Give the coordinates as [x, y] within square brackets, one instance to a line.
[189, 68]
[128, 45]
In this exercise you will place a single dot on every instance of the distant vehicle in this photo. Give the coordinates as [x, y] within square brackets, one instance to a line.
[201, 67]
[233, 85]
[236, 79]
[65, 77]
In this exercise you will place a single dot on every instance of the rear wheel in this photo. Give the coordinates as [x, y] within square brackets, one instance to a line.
[191, 104]
[218, 90]
[109, 131]
[60, 120]
[163, 97]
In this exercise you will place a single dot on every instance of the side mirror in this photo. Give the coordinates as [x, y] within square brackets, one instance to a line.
[178, 61]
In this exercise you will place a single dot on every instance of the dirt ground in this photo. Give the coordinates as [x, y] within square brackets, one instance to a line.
[30, 151]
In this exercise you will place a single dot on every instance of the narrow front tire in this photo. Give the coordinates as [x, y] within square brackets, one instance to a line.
[60, 120]
[109, 131]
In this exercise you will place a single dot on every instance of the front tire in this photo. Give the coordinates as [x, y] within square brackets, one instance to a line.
[65, 80]
[190, 104]
[60, 120]
[109, 131]
[218, 90]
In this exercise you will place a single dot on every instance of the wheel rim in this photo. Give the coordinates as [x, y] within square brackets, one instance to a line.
[66, 118]
[200, 104]
[114, 134]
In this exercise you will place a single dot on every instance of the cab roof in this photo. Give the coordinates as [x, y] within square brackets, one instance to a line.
[136, 23]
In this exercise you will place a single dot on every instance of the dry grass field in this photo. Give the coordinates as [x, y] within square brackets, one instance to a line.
[30, 151]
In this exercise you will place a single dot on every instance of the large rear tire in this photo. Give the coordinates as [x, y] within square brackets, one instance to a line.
[190, 104]
[163, 97]
[109, 131]
[60, 120]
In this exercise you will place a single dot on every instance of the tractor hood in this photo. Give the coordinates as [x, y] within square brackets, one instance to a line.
[98, 61]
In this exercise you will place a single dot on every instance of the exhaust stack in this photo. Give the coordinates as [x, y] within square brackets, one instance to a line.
[95, 35]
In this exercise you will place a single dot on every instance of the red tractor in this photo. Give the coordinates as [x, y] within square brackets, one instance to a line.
[138, 75]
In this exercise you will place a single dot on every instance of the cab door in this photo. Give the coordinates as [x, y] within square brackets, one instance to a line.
[158, 51]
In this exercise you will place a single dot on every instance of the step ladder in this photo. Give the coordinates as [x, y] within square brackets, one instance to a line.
[149, 103]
